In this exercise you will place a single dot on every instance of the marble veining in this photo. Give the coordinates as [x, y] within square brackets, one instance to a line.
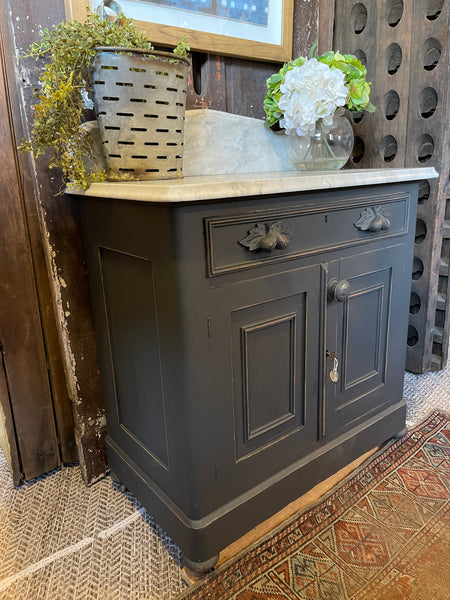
[230, 143]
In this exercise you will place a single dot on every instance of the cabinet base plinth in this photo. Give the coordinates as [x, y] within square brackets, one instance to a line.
[201, 540]
[197, 569]
[400, 434]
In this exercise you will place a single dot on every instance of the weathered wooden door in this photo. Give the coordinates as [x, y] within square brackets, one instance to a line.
[25, 394]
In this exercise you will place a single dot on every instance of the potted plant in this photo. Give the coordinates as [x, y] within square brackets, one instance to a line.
[306, 99]
[72, 50]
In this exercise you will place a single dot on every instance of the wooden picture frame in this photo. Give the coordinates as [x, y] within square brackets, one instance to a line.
[271, 41]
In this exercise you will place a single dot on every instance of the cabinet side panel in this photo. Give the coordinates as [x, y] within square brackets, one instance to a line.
[134, 351]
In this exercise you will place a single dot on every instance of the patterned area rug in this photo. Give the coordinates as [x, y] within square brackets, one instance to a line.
[384, 534]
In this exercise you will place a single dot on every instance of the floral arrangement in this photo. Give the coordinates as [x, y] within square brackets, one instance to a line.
[306, 90]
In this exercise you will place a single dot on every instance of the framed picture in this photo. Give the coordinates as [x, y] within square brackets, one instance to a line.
[257, 29]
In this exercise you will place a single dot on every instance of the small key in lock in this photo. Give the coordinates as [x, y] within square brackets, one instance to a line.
[334, 375]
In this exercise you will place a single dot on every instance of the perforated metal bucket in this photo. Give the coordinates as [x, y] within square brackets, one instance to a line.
[140, 100]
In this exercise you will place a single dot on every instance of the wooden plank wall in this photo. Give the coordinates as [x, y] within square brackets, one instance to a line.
[237, 85]
[8, 440]
[230, 84]
[59, 230]
[61, 403]
[25, 387]
[405, 48]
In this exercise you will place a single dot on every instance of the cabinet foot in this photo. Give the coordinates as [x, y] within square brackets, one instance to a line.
[117, 483]
[400, 434]
[196, 570]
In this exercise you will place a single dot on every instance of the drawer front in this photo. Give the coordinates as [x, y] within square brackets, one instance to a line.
[247, 239]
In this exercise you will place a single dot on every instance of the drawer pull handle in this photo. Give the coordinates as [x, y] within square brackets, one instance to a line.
[267, 237]
[373, 219]
[338, 290]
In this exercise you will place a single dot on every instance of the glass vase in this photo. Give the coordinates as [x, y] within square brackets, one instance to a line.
[329, 147]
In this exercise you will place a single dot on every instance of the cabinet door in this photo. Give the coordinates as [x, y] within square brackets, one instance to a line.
[366, 329]
[270, 330]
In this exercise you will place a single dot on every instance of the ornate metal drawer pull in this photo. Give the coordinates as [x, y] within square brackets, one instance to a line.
[267, 237]
[373, 219]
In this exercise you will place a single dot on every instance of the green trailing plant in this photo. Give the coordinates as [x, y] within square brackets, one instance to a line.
[69, 49]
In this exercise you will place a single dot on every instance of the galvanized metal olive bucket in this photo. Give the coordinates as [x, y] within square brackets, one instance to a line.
[140, 101]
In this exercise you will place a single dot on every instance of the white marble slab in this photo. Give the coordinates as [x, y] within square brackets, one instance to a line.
[231, 156]
[218, 143]
[212, 187]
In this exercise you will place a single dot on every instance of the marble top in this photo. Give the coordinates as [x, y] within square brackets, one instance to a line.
[237, 185]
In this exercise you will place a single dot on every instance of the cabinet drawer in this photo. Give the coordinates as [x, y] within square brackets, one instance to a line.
[240, 240]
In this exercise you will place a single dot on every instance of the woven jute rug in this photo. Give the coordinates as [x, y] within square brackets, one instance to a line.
[384, 534]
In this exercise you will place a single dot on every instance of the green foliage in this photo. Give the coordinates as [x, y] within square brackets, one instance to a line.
[355, 81]
[182, 48]
[69, 49]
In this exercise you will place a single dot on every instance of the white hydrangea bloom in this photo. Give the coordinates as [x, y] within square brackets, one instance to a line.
[311, 92]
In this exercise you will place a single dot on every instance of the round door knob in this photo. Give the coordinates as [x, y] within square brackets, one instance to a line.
[338, 290]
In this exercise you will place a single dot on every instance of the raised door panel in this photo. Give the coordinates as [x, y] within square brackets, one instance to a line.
[273, 325]
[358, 331]
[268, 371]
[363, 334]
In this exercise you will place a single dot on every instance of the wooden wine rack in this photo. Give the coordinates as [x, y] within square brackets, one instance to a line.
[404, 45]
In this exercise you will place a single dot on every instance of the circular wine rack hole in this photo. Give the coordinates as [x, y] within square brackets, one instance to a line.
[424, 191]
[358, 150]
[431, 54]
[433, 9]
[414, 303]
[428, 100]
[413, 336]
[358, 18]
[424, 148]
[421, 231]
[391, 105]
[393, 58]
[361, 56]
[357, 117]
[395, 12]
[417, 270]
[388, 148]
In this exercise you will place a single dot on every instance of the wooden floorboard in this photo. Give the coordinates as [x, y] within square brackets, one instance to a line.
[286, 513]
